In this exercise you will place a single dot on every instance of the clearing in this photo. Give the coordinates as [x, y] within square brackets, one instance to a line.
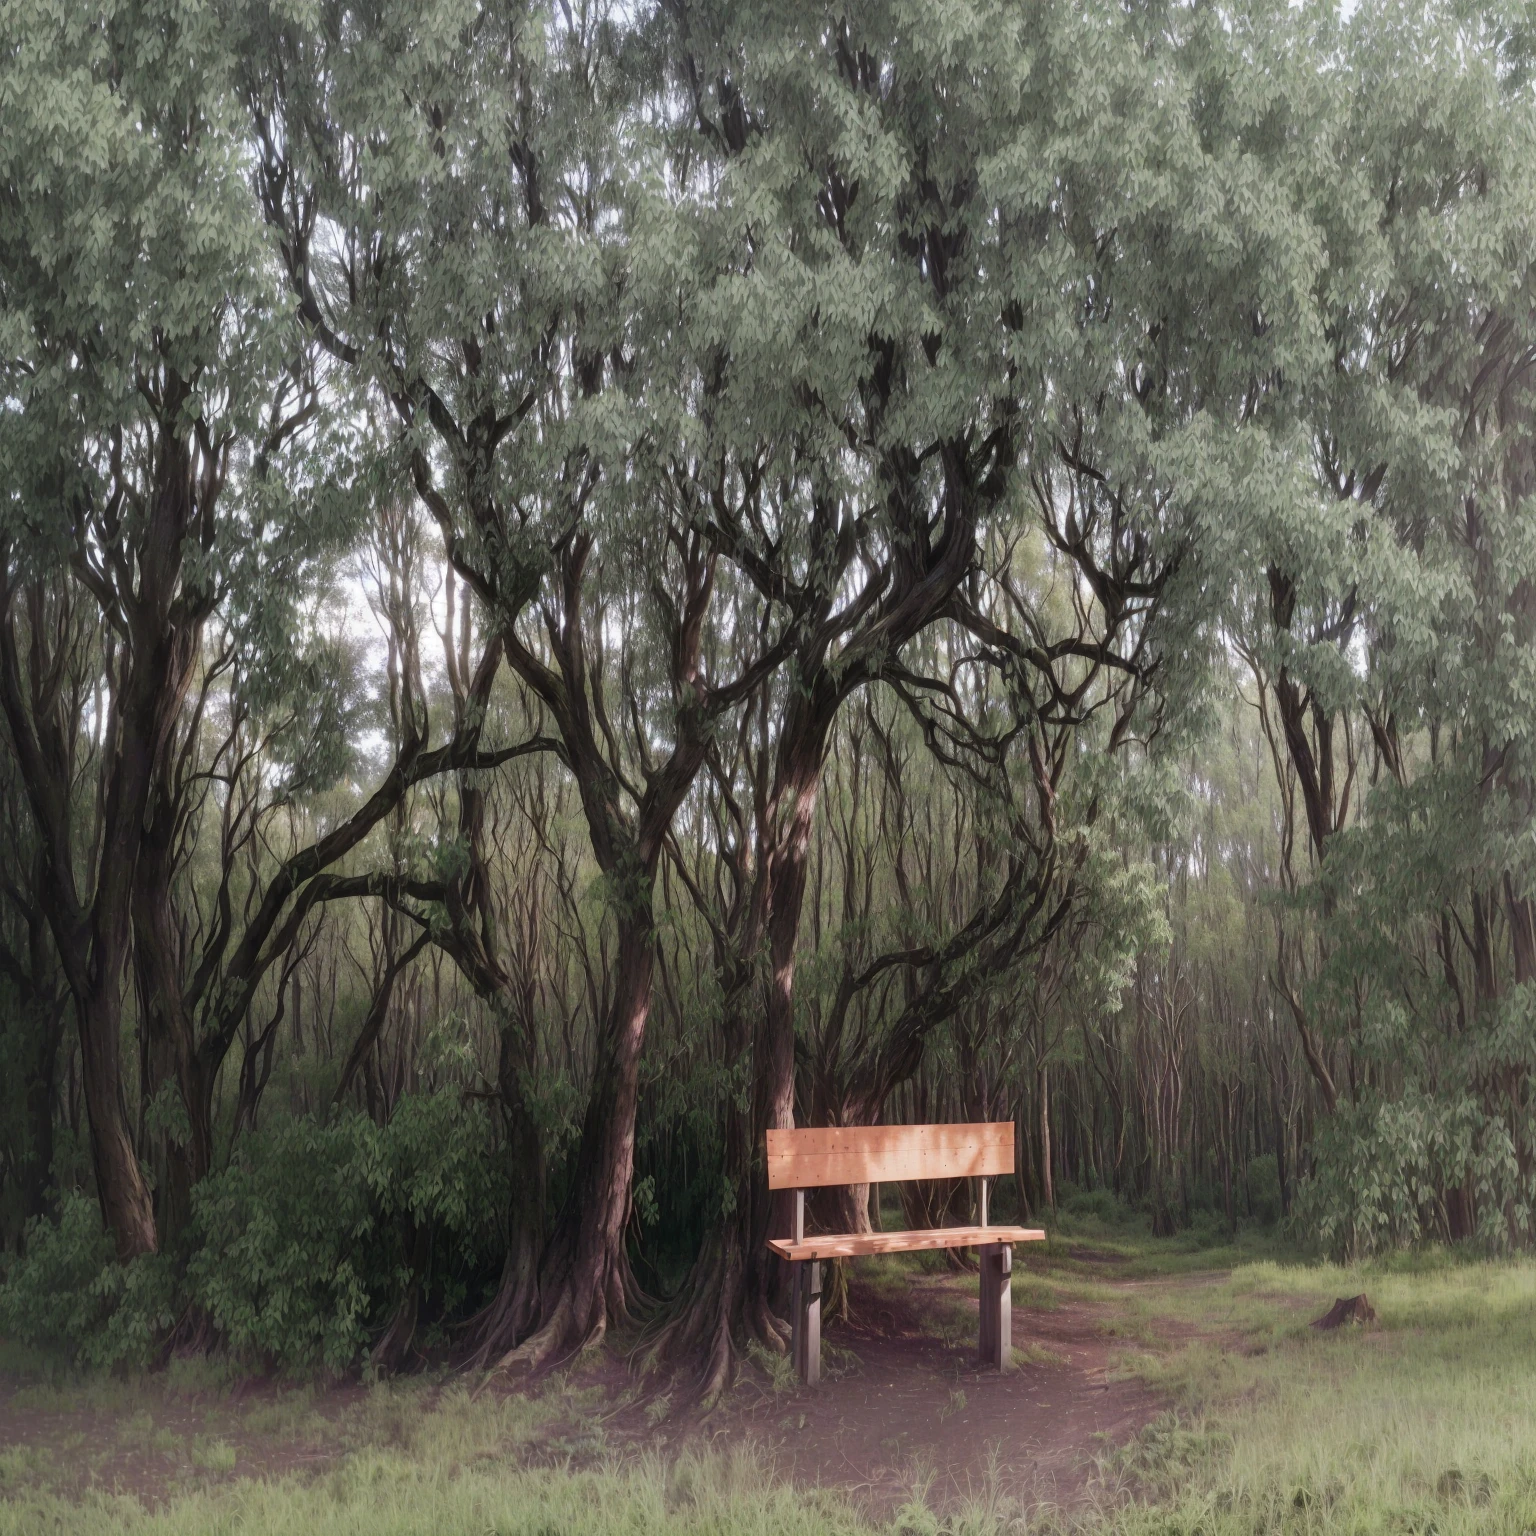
[1156, 1381]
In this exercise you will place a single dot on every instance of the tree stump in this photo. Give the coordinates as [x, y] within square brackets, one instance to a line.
[1347, 1309]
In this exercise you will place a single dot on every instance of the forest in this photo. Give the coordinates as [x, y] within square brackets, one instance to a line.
[583, 581]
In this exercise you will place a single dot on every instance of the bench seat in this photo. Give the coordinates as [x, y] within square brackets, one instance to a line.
[857, 1245]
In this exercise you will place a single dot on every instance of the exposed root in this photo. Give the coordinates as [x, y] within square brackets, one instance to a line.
[497, 1328]
[389, 1354]
[548, 1348]
[541, 1346]
[719, 1310]
[628, 1301]
[766, 1326]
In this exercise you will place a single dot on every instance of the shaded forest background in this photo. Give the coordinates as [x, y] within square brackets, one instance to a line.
[579, 583]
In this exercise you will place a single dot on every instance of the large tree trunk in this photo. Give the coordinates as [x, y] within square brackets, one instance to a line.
[803, 750]
[127, 1205]
[725, 1298]
[91, 936]
[737, 1290]
[585, 1281]
[156, 626]
[512, 1312]
[180, 1154]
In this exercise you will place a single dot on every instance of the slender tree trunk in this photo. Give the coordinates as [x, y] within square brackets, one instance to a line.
[1047, 1180]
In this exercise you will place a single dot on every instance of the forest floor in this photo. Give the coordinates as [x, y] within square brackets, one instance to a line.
[1159, 1386]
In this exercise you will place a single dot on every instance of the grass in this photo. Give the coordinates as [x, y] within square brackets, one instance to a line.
[388, 1494]
[1124, 1249]
[1424, 1425]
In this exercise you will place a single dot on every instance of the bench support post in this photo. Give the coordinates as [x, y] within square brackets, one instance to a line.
[997, 1305]
[807, 1321]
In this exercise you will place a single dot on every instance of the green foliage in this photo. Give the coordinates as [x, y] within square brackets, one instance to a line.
[302, 1242]
[134, 261]
[68, 1293]
[1383, 1165]
[298, 1248]
[286, 1259]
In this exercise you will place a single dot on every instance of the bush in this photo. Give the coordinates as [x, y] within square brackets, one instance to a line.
[69, 1292]
[1094, 1204]
[302, 1245]
[286, 1261]
[296, 1252]
[1379, 1167]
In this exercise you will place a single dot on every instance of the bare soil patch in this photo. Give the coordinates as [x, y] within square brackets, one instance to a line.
[905, 1410]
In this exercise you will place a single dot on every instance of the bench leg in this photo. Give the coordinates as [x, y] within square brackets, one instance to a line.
[807, 1321]
[997, 1305]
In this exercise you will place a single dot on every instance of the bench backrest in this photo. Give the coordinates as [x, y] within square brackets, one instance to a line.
[887, 1154]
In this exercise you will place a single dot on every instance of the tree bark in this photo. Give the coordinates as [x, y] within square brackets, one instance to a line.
[41, 1028]
[1047, 1174]
[496, 1331]
[585, 1283]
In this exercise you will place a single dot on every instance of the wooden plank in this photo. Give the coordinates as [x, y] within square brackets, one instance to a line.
[880, 1154]
[854, 1245]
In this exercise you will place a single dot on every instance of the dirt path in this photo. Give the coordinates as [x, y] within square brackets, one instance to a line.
[911, 1411]
[903, 1411]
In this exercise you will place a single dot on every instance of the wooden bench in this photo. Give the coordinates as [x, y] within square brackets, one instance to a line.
[886, 1154]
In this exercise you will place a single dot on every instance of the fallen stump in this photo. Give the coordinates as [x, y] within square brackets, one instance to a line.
[1347, 1309]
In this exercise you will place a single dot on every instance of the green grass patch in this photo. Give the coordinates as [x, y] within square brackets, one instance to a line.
[388, 1494]
[1424, 1423]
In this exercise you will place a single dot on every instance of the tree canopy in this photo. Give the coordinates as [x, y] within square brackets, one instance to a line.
[579, 583]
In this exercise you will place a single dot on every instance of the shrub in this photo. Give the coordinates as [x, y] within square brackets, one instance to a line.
[302, 1245]
[69, 1293]
[285, 1260]
[1096, 1204]
[441, 1181]
[297, 1249]
[1380, 1164]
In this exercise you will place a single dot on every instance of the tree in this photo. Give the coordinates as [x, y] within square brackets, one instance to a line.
[1393, 638]
[1002, 323]
[147, 352]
